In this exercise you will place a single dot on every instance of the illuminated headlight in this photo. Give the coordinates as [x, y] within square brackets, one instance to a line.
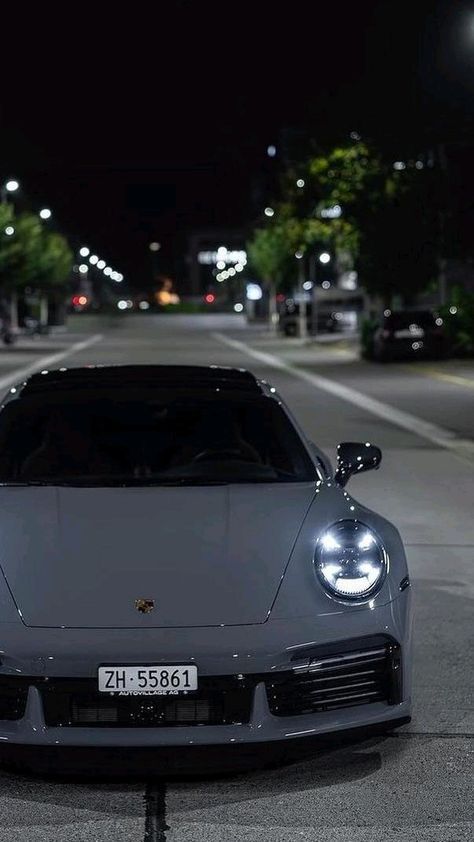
[350, 560]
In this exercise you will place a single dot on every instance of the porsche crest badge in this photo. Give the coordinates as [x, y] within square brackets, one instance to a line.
[144, 606]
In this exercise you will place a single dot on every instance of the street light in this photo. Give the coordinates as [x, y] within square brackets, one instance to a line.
[83, 268]
[324, 257]
[101, 264]
[9, 230]
[11, 186]
[45, 213]
[84, 251]
[269, 212]
[154, 246]
[300, 182]
[93, 259]
[271, 151]
[108, 270]
[253, 292]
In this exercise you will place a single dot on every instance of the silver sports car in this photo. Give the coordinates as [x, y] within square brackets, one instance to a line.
[180, 565]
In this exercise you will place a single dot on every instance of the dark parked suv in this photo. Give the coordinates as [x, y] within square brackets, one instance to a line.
[407, 333]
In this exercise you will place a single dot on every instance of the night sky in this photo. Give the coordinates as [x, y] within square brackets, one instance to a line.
[147, 123]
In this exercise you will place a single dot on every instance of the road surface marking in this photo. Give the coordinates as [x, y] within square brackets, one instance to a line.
[440, 436]
[19, 374]
[456, 379]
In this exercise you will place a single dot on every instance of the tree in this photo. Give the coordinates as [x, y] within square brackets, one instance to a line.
[9, 246]
[392, 215]
[53, 269]
[31, 257]
[387, 224]
[296, 230]
[269, 257]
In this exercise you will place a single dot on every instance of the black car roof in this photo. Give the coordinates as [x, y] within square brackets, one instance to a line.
[192, 377]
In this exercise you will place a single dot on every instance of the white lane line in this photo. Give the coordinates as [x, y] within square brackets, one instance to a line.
[440, 436]
[19, 374]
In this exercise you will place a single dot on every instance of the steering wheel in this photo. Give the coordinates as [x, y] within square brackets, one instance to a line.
[224, 453]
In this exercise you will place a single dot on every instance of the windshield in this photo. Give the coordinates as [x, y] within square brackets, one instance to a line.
[148, 438]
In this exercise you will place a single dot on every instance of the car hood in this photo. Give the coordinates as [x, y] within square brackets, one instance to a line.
[207, 556]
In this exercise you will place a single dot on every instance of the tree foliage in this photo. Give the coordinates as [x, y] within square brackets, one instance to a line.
[32, 256]
[388, 223]
[268, 254]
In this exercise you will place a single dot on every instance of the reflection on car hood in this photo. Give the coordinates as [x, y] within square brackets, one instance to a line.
[80, 557]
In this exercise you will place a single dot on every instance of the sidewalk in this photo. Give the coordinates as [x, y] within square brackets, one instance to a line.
[338, 348]
[324, 349]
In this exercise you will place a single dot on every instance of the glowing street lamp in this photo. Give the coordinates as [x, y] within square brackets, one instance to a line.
[84, 251]
[45, 213]
[10, 186]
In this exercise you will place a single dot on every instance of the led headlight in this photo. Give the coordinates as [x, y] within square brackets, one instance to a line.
[350, 560]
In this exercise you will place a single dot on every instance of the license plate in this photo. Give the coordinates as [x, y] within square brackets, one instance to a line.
[148, 681]
[414, 333]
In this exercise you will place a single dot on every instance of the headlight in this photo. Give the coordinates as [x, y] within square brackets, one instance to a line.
[350, 560]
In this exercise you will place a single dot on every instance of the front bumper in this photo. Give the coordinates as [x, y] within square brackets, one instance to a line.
[259, 653]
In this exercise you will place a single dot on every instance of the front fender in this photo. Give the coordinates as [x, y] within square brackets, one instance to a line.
[300, 593]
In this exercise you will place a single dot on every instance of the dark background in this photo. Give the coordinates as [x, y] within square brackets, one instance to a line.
[148, 122]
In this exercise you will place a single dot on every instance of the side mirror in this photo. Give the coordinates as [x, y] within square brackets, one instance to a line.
[354, 457]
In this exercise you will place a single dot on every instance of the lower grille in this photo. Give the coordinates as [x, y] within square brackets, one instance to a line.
[225, 700]
[13, 696]
[346, 674]
[337, 681]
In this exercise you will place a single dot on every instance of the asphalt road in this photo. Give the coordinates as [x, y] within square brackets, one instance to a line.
[415, 785]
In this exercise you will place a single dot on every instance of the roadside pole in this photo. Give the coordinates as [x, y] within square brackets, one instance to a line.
[303, 325]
